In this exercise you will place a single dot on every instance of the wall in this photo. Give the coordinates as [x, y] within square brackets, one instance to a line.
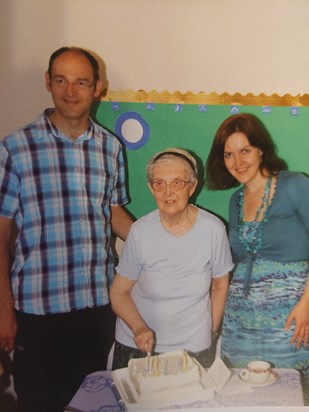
[199, 45]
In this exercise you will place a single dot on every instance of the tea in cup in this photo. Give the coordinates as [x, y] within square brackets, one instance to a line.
[257, 372]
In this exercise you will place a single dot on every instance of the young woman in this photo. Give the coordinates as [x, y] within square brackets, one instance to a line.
[267, 311]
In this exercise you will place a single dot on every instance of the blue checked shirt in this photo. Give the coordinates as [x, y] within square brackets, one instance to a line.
[59, 192]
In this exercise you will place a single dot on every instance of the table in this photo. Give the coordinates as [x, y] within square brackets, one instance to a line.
[98, 394]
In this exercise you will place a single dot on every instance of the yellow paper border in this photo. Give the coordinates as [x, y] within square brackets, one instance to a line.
[203, 98]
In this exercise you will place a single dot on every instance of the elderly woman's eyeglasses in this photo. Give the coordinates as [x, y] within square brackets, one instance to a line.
[160, 185]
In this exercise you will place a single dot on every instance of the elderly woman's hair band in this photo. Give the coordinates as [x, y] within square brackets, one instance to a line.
[180, 155]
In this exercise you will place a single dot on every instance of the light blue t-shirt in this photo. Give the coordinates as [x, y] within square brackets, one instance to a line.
[173, 277]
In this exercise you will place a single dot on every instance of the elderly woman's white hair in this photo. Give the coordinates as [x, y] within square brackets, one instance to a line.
[167, 155]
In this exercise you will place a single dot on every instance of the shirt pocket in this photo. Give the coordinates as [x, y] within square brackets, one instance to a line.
[99, 188]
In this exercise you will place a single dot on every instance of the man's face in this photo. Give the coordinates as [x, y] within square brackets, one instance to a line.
[72, 86]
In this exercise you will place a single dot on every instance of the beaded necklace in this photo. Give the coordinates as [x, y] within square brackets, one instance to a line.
[251, 233]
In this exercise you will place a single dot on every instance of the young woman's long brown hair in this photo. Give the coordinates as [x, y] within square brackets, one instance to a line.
[217, 175]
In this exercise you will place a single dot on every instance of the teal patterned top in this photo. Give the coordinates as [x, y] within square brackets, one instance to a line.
[286, 231]
[266, 285]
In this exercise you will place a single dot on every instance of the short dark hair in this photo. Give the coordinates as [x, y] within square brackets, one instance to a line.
[217, 175]
[92, 60]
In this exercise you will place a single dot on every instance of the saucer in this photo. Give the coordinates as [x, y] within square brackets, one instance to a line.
[273, 377]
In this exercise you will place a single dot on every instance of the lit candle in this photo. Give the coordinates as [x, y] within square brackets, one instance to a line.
[155, 366]
[147, 368]
[184, 362]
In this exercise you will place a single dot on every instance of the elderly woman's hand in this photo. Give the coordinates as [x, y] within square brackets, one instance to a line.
[144, 338]
[124, 306]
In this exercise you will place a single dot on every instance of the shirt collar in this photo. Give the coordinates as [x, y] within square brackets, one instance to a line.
[51, 129]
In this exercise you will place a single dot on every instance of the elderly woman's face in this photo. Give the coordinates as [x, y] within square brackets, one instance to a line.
[168, 188]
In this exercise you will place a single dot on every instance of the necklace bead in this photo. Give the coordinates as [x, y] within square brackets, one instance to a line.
[251, 233]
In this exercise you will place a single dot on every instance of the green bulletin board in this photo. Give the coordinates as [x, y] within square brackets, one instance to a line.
[193, 127]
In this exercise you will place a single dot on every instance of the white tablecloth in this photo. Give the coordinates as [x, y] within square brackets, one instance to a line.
[97, 394]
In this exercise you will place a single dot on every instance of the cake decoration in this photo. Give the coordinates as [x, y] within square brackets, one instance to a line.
[163, 380]
[160, 374]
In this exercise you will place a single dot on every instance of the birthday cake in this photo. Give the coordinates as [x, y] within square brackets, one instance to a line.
[165, 375]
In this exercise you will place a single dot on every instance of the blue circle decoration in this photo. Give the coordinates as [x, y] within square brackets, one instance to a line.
[119, 123]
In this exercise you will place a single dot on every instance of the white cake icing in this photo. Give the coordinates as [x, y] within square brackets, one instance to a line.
[164, 375]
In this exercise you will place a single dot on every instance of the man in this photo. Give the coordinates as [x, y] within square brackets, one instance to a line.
[63, 186]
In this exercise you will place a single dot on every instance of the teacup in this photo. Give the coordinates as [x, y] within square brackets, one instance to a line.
[257, 372]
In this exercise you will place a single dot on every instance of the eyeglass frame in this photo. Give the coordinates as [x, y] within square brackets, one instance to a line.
[152, 182]
[62, 82]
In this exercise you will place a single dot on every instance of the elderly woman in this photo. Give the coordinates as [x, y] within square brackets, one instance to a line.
[172, 279]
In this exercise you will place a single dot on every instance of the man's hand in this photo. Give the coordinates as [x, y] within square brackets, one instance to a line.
[8, 329]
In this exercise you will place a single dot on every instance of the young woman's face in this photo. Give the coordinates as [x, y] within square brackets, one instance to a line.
[241, 159]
